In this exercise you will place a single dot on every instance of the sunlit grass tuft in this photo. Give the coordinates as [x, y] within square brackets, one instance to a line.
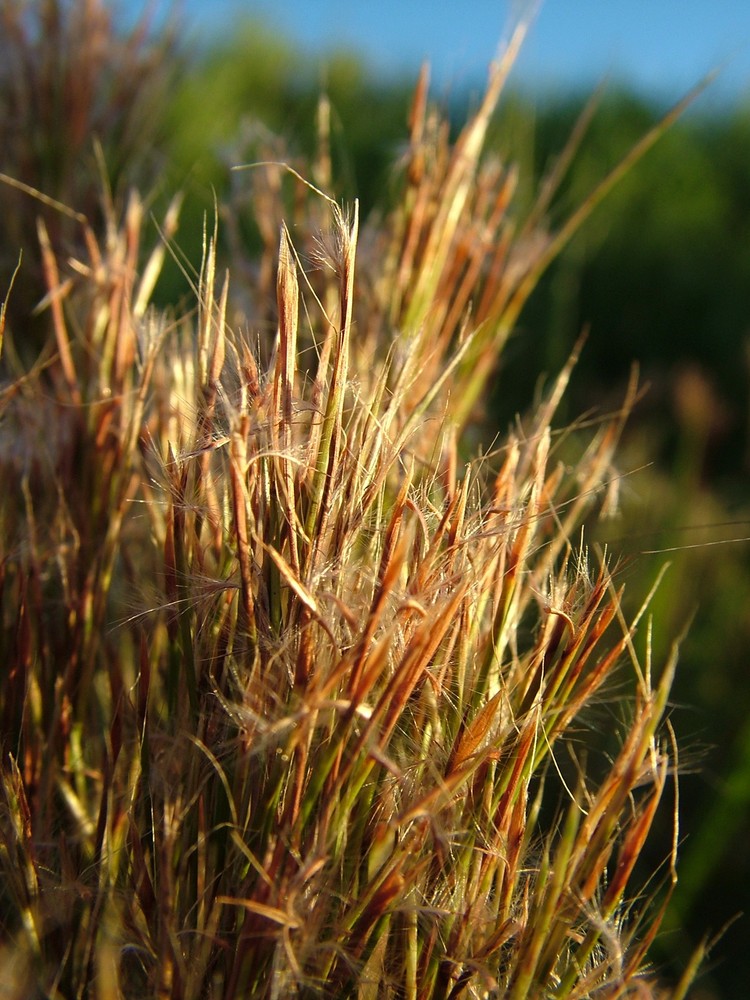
[296, 690]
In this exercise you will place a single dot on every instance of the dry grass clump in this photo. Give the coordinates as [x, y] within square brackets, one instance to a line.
[80, 106]
[294, 694]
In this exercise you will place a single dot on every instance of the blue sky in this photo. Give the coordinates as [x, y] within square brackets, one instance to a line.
[660, 46]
